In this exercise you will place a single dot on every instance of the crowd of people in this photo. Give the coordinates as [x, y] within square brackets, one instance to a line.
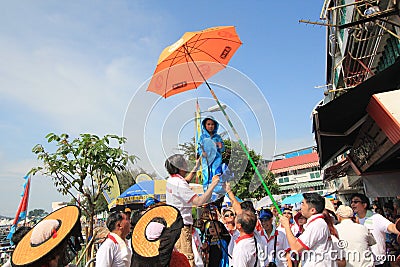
[321, 233]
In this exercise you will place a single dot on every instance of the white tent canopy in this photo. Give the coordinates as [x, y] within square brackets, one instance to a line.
[266, 201]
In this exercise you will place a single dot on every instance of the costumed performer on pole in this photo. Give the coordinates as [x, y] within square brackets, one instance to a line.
[210, 149]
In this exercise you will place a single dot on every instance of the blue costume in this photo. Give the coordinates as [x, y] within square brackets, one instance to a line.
[218, 254]
[211, 165]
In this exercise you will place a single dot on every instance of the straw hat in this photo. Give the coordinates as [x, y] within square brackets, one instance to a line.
[160, 245]
[46, 235]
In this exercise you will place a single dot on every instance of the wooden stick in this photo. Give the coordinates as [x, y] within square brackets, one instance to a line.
[87, 246]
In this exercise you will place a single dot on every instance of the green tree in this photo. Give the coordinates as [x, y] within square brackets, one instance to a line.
[37, 213]
[189, 149]
[248, 185]
[83, 165]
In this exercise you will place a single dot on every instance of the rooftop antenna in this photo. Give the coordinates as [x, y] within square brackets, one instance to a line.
[317, 23]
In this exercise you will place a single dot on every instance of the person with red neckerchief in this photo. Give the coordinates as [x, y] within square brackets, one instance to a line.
[245, 252]
[316, 237]
[247, 247]
[182, 197]
[115, 251]
[276, 240]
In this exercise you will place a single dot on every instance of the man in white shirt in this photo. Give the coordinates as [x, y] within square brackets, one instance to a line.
[354, 239]
[276, 240]
[315, 244]
[375, 223]
[244, 252]
[182, 197]
[242, 235]
[115, 251]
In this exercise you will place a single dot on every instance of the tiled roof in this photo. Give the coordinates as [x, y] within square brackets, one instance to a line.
[295, 163]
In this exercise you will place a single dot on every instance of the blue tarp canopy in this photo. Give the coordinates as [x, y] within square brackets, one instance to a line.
[139, 192]
[293, 199]
[139, 189]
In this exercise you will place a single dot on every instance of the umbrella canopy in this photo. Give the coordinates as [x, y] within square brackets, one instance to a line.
[266, 201]
[195, 57]
[293, 199]
[139, 192]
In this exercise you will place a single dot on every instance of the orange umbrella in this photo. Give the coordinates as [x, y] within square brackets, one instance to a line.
[191, 60]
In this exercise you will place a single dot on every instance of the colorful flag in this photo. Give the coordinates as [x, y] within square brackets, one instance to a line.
[112, 192]
[23, 207]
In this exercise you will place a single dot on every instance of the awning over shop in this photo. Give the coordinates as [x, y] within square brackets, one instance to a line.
[301, 185]
[384, 108]
[377, 146]
[337, 170]
[336, 123]
[382, 184]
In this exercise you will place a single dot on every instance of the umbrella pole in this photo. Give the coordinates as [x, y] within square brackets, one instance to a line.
[237, 136]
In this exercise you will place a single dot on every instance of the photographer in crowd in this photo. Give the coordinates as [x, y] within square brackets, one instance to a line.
[375, 223]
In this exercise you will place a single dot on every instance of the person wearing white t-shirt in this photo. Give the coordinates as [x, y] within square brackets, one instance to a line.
[244, 252]
[276, 240]
[115, 251]
[244, 241]
[375, 223]
[355, 238]
[315, 243]
[182, 197]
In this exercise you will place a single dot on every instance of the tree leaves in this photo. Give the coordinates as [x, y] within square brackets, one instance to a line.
[82, 165]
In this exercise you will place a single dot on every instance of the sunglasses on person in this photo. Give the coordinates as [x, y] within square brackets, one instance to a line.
[355, 201]
[226, 215]
[287, 212]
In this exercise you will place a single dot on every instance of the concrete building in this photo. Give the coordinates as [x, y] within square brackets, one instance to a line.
[298, 172]
[357, 124]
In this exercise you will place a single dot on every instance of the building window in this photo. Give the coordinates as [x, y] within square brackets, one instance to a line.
[390, 54]
[283, 180]
[342, 18]
[336, 77]
[315, 175]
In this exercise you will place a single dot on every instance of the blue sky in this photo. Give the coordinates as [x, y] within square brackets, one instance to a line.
[76, 66]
